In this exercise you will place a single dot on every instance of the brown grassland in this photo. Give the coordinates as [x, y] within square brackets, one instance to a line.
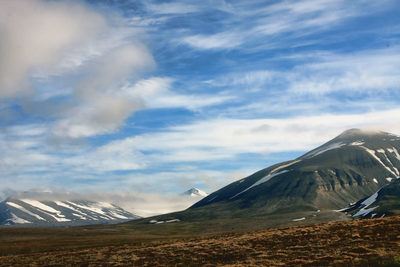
[370, 242]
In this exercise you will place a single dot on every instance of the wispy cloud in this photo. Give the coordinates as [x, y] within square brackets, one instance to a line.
[157, 92]
[286, 20]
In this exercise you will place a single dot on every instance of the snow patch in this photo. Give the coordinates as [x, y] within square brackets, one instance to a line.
[16, 219]
[364, 211]
[376, 181]
[160, 222]
[25, 210]
[212, 198]
[357, 143]
[92, 207]
[372, 152]
[395, 152]
[366, 203]
[46, 210]
[261, 181]
[173, 220]
[323, 149]
[116, 215]
[334, 173]
[41, 206]
[70, 207]
[284, 166]
[300, 219]
[79, 216]
[394, 168]
[389, 179]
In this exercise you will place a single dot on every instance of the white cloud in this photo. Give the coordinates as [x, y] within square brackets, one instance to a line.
[102, 108]
[69, 51]
[37, 34]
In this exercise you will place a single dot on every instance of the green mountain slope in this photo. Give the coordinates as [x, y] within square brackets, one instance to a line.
[348, 168]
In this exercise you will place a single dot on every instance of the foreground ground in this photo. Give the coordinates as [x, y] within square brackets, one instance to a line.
[374, 242]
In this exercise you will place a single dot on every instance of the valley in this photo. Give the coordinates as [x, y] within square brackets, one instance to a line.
[335, 205]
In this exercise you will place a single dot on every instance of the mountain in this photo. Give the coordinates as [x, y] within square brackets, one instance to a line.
[350, 167]
[30, 212]
[194, 192]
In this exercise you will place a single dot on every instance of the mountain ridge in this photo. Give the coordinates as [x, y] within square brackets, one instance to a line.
[31, 212]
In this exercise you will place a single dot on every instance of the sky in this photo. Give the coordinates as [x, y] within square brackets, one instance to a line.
[142, 100]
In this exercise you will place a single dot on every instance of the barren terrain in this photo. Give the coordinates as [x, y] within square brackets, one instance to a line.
[371, 242]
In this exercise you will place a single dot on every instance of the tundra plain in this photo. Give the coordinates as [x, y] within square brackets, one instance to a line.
[368, 242]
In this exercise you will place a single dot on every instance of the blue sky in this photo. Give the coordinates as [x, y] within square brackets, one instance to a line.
[156, 97]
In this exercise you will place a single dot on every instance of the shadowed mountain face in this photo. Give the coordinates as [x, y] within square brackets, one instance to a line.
[350, 167]
[30, 212]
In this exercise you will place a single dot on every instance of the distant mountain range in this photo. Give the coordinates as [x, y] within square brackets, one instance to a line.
[356, 172]
[30, 212]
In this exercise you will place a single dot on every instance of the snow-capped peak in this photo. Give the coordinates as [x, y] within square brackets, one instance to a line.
[194, 192]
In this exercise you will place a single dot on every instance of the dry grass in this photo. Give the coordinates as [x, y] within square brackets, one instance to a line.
[374, 242]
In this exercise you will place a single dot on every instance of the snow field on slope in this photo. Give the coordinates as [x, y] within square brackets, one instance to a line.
[373, 154]
[82, 215]
[25, 210]
[97, 208]
[16, 219]
[46, 210]
[366, 203]
[261, 181]
[324, 149]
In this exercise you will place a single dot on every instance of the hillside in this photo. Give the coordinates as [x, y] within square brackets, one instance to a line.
[348, 168]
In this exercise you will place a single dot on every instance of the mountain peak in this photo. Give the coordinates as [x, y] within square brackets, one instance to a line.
[357, 133]
[194, 192]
